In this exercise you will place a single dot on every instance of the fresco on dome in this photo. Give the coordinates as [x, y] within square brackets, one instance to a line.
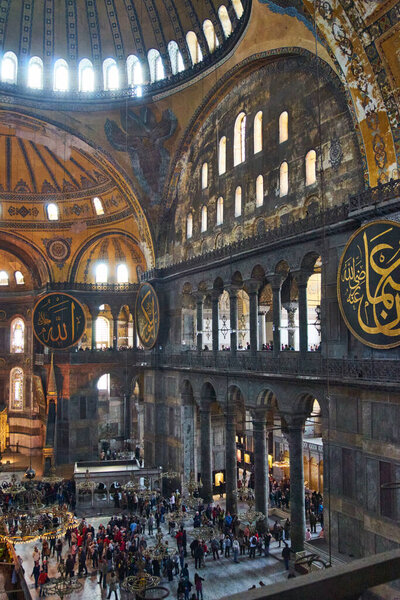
[143, 137]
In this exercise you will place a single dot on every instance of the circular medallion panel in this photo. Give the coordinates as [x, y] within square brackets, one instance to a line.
[368, 284]
[147, 313]
[58, 249]
[58, 321]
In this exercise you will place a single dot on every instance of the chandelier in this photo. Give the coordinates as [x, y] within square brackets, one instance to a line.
[87, 485]
[140, 582]
[33, 524]
[250, 516]
[205, 532]
[64, 585]
[159, 551]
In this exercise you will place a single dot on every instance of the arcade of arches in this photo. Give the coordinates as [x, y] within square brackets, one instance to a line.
[225, 154]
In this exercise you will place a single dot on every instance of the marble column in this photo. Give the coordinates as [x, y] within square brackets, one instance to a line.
[127, 416]
[297, 494]
[233, 310]
[302, 280]
[199, 321]
[188, 438]
[115, 329]
[215, 321]
[231, 461]
[205, 445]
[276, 281]
[261, 481]
[94, 313]
[291, 308]
[252, 288]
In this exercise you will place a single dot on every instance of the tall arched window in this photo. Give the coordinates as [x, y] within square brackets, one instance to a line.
[16, 389]
[283, 179]
[238, 6]
[204, 176]
[61, 75]
[189, 226]
[102, 333]
[103, 383]
[238, 201]
[3, 278]
[122, 273]
[239, 140]
[175, 57]
[260, 190]
[258, 140]
[222, 156]
[311, 167]
[86, 76]
[98, 206]
[101, 273]
[17, 334]
[19, 278]
[204, 223]
[283, 127]
[134, 73]
[225, 20]
[194, 47]
[9, 67]
[220, 211]
[209, 33]
[35, 73]
[110, 74]
[155, 65]
[52, 212]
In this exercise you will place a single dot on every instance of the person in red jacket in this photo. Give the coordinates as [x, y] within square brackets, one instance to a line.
[43, 579]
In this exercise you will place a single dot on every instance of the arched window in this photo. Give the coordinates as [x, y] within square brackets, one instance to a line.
[122, 273]
[102, 333]
[101, 273]
[189, 226]
[258, 141]
[209, 33]
[9, 67]
[237, 5]
[283, 179]
[103, 383]
[225, 20]
[52, 212]
[135, 73]
[175, 57]
[239, 140]
[17, 335]
[222, 156]
[155, 65]
[98, 206]
[86, 76]
[110, 74]
[19, 278]
[204, 223]
[16, 389]
[3, 278]
[194, 47]
[311, 167]
[204, 176]
[238, 201]
[61, 76]
[260, 190]
[283, 127]
[35, 73]
[220, 211]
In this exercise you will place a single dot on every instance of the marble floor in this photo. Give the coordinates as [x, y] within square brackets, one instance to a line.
[220, 577]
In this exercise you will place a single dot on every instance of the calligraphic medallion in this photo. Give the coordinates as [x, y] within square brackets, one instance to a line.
[58, 321]
[368, 284]
[147, 312]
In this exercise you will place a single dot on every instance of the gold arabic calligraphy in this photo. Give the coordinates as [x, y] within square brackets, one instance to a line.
[147, 311]
[370, 278]
[57, 323]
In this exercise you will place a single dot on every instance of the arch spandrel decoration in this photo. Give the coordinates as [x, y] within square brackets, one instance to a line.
[368, 284]
[147, 315]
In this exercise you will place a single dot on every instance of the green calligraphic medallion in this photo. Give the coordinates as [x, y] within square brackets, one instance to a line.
[58, 321]
[147, 312]
[368, 284]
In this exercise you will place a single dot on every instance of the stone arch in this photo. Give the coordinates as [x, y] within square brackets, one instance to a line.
[308, 261]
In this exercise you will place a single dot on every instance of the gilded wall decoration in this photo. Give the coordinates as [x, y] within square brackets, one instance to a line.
[58, 249]
[58, 321]
[147, 315]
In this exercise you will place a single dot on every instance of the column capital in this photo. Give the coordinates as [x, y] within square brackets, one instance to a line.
[259, 415]
[94, 310]
[215, 294]
[302, 276]
[276, 280]
[252, 286]
[295, 421]
[199, 295]
[232, 290]
[290, 306]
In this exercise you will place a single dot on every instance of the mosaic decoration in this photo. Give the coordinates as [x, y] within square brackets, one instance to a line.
[58, 249]
[22, 211]
[368, 284]
[143, 137]
[147, 315]
[58, 321]
[335, 153]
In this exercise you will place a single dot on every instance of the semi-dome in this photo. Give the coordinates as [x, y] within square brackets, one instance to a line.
[113, 48]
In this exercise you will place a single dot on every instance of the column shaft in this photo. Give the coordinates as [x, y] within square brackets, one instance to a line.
[199, 318]
[205, 445]
[276, 318]
[303, 317]
[253, 296]
[231, 463]
[94, 316]
[215, 323]
[115, 332]
[233, 320]
[261, 482]
[297, 504]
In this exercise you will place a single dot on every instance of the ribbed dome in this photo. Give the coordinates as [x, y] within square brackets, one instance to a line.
[124, 31]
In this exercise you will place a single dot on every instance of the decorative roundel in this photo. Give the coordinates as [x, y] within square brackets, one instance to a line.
[58, 320]
[58, 250]
[147, 313]
[368, 284]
